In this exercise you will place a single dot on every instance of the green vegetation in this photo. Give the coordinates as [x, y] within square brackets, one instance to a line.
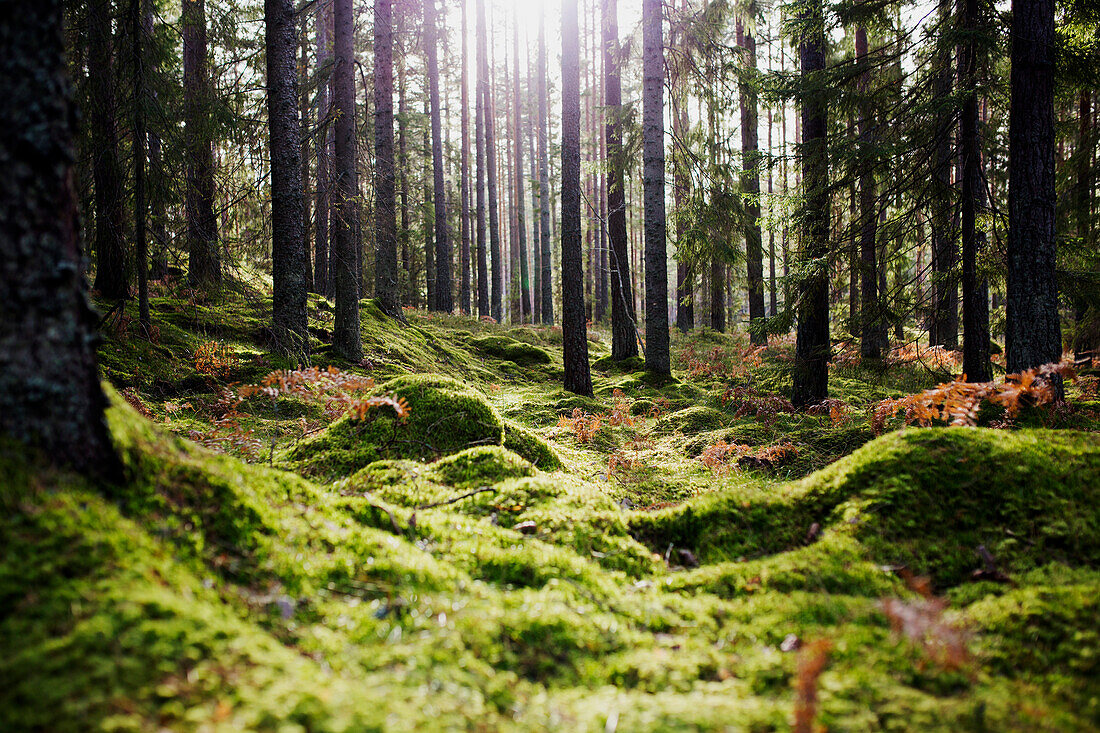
[478, 562]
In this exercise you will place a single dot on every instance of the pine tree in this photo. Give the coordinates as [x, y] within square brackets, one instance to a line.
[444, 294]
[346, 339]
[750, 179]
[547, 294]
[204, 258]
[653, 178]
[385, 197]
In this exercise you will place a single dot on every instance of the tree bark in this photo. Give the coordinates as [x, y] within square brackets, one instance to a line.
[385, 197]
[975, 288]
[812, 349]
[944, 329]
[870, 317]
[750, 181]
[657, 358]
[141, 244]
[204, 258]
[1033, 332]
[521, 219]
[111, 277]
[497, 299]
[578, 377]
[483, 305]
[464, 229]
[346, 339]
[323, 21]
[304, 123]
[50, 393]
[444, 292]
[288, 247]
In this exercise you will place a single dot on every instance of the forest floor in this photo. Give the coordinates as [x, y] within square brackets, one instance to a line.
[471, 548]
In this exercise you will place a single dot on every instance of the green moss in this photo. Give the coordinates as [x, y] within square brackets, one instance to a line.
[503, 347]
[692, 420]
[610, 364]
[529, 445]
[480, 466]
[444, 417]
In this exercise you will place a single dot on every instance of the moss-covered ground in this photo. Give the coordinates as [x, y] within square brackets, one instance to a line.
[478, 566]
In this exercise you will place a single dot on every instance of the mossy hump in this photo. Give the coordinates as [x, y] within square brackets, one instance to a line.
[444, 417]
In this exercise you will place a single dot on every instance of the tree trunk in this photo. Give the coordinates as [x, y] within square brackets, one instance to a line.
[945, 291]
[110, 278]
[346, 339]
[521, 219]
[1083, 206]
[444, 294]
[464, 224]
[547, 294]
[141, 245]
[975, 289]
[483, 304]
[304, 123]
[50, 394]
[653, 180]
[204, 259]
[624, 343]
[578, 378]
[288, 247]
[812, 349]
[323, 20]
[1033, 333]
[491, 172]
[385, 198]
[750, 182]
[870, 318]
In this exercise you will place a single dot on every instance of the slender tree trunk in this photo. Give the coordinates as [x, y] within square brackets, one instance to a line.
[1033, 332]
[624, 343]
[346, 339]
[521, 219]
[322, 20]
[385, 198]
[578, 377]
[812, 348]
[303, 127]
[975, 288]
[547, 294]
[945, 292]
[444, 294]
[204, 266]
[411, 285]
[653, 178]
[110, 278]
[870, 319]
[750, 182]
[685, 282]
[464, 229]
[483, 302]
[50, 394]
[1083, 206]
[533, 179]
[497, 296]
[156, 183]
[141, 245]
[288, 247]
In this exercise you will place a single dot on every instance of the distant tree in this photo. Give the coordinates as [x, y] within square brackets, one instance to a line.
[464, 300]
[1033, 333]
[653, 179]
[869, 317]
[385, 197]
[323, 55]
[750, 179]
[204, 259]
[624, 343]
[491, 171]
[346, 339]
[547, 294]
[517, 139]
[289, 263]
[975, 288]
[141, 243]
[944, 325]
[811, 367]
[483, 304]
[50, 394]
[578, 377]
[111, 278]
[305, 122]
[444, 292]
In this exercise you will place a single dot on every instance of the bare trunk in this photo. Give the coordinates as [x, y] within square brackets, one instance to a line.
[653, 178]
[204, 266]
[444, 293]
[346, 339]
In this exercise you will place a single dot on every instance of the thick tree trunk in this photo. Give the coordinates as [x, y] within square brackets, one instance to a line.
[1033, 333]
[624, 343]
[323, 21]
[750, 183]
[110, 278]
[653, 180]
[975, 289]
[944, 329]
[304, 123]
[204, 258]
[385, 197]
[346, 339]
[50, 394]
[812, 348]
[464, 228]
[578, 377]
[547, 293]
[444, 292]
[870, 317]
[288, 248]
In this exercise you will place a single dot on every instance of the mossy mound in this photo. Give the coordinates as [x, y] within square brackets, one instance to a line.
[692, 420]
[531, 446]
[925, 499]
[503, 347]
[612, 365]
[444, 417]
[480, 466]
